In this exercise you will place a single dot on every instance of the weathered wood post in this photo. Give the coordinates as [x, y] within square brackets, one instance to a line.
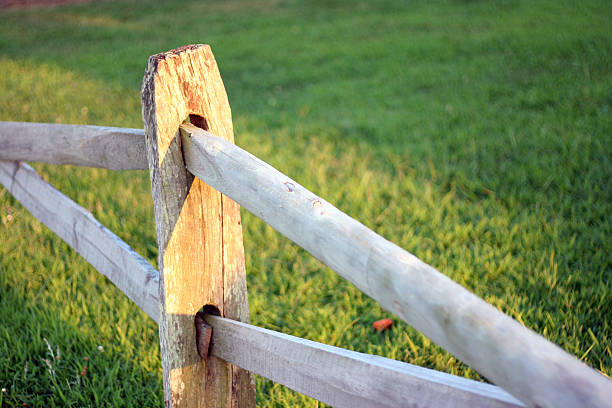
[199, 235]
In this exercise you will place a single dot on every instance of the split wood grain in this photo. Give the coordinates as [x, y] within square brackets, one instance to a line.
[534, 370]
[93, 146]
[344, 378]
[201, 258]
[112, 257]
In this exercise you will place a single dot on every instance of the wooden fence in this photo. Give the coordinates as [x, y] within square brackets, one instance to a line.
[197, 177]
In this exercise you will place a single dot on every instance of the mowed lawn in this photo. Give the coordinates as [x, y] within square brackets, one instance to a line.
[476, 135]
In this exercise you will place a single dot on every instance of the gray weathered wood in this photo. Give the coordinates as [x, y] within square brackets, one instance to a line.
[94, 146]
[112, 257]
[199, 234]
[344, 378]
[532, 369]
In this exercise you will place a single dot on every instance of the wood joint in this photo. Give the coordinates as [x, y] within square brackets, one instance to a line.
[203, 335]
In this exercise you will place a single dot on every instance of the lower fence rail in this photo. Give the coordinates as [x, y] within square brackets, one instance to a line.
[333, 375]
[112, 257]
[344, 378]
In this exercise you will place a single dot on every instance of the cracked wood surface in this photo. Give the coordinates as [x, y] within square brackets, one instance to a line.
[112, 257]
[201, 259]
[534, 370]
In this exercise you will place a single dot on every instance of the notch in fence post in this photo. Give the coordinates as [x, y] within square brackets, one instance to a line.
[199, 234]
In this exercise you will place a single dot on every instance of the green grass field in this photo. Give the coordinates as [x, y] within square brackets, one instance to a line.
[477, 135]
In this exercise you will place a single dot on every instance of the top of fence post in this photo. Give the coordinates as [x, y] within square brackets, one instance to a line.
[201, 258]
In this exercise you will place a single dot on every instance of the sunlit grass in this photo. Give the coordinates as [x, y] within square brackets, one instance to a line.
[476, 135]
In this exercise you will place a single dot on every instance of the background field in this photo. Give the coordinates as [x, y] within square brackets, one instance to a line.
[477, 135]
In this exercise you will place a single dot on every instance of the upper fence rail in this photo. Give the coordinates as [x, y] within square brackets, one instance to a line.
[80, 145]
[534, 370]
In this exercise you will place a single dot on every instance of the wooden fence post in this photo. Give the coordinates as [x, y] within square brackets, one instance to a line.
[199, 234]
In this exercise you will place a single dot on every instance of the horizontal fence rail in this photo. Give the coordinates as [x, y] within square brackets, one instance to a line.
[80, 145]
[536, 371]
[344, 378]
[524, 363]
[333, 375]
[112, 257]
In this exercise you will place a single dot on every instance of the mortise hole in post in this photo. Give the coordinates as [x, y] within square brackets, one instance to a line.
[198, 121]
[210, 310]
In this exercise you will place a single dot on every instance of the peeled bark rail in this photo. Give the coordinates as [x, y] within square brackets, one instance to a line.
[186, 82]
[524, 363]
[440, 308]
